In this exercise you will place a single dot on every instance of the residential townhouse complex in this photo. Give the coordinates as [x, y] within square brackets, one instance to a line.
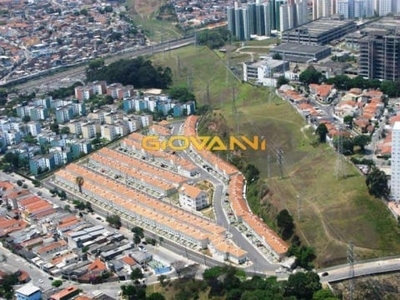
[41, 35]
[237, 196]
[138, 189]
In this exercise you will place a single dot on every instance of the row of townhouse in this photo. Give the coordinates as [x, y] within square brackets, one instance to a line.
[237, 197]
[171, 222]
[133, 142]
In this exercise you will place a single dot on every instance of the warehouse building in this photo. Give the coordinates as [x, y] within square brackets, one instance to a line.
[299, 53]
[320, 32]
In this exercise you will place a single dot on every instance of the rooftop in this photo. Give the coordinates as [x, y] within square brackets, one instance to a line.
[27, 290]
[299, 48]
[320, 27]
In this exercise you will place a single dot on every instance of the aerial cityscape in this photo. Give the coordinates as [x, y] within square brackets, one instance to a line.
[210, 149]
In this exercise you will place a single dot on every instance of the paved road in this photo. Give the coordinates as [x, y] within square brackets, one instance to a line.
[260, 263]
[128, 54]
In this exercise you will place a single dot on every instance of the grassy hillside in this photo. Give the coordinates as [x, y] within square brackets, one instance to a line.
[332, 212]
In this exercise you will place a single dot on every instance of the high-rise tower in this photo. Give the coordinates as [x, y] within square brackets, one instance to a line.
[395, 163]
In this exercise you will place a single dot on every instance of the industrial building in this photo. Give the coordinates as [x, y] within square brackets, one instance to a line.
[320, 32]
[380, 50]
[299, 53]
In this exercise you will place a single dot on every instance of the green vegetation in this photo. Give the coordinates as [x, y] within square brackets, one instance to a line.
[64, 92]
[57, 283]
[6, 287]
[333, 212]
[214, 38]
[311, 75]
[137, 72]
[377, 183]
[114, 221]
[156, 18]
[231, 284]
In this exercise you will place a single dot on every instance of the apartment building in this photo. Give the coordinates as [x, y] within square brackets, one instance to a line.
[192, 198]
[380, 55]
[395, 163]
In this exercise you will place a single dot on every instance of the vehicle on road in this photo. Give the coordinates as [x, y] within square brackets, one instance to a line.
[51, 278]
[142, 248]
[324, 274]
[40, 280]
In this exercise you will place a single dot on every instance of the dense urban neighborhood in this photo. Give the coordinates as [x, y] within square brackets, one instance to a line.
[253, 155]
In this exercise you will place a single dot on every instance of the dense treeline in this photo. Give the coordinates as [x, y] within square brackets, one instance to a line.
[231, 284]
[214, 38]
[138, 72]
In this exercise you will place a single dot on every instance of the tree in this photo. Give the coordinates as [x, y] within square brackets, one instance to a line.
[182, 94]
[19, 183]
[277, 56]
[362, 141]
[138, 230]
[285, 222]
[136, 274]
[347, 143]
[89, 206]
[57, 283]
[65, 130]
[282, 80]
[26, 119]
[156, 296]
[348, 120]
[62, 195]
[322, 132]
[324, 294]
[251, 173]
[311, 75]
[163, 279]
[302, 285]
[114, 220]
[377, 183]
[55, 127]
[79, 182]
[136, 239]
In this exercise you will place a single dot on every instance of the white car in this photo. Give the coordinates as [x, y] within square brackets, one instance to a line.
[142, 248]
[41, 280]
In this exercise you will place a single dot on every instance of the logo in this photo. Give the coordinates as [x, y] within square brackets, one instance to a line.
[215, 143]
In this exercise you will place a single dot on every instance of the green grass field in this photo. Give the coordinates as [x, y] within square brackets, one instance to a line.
[144, 13]
[333, 212]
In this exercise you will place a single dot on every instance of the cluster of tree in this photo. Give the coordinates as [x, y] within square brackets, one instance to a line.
[282, 80]
[138, 234]
[14, 162]
[343, 82]
[228, 282]
[284, 221]
[362, 161]
[114, 221]
[349, 143]
[214, 38]
[6, 287]
[80, 205]
[137, 72]
[182, 94]
[311, 75]
[377, 183]
[305, 255]
[61, 194]
[64, 91]
[344, 58]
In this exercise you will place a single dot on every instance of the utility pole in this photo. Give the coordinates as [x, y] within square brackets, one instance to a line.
[350, 260]
[208, 94]
[178, 64]
[339, 169]
[269, 165]
[279, 159]
[298, 207]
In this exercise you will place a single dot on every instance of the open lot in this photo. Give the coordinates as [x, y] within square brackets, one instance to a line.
[144, 13]
[332, 212]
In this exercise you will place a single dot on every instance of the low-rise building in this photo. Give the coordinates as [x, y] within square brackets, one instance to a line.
[28, 292]
[191, 197]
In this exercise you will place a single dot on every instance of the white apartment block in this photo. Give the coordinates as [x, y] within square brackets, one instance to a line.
[193, 198]
[146, 120]
[386, 7]
[89, 130]
[395, 163]
[34, 128]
